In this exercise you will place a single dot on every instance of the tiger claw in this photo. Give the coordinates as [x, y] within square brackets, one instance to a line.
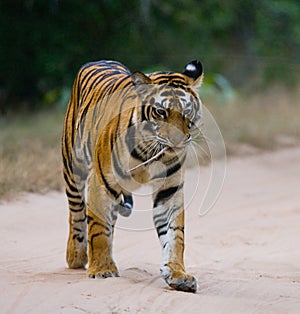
[103, 275]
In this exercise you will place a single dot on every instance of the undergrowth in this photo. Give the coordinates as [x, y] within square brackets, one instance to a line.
[30, 158]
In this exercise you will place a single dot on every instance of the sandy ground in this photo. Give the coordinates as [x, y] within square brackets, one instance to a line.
[245, 252]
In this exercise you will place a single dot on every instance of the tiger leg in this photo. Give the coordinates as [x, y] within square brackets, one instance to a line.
[101, 220]
[77, 241]
[168, 215]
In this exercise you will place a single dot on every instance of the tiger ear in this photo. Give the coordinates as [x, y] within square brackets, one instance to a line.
[139, 78]
[194, 72]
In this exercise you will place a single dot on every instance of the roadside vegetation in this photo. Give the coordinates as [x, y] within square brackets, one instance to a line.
[30, 153]
[262, 121]
[30, 158]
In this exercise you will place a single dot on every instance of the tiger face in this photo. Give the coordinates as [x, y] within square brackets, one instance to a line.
[172, 114]
[171, 105]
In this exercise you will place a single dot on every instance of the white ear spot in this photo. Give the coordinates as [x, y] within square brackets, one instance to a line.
[194, 71]
[191, 67]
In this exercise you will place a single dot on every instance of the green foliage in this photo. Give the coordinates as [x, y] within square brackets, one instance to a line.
[43, 43]
[218, 88]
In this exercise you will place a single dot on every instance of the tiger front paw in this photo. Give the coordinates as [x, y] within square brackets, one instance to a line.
[103, 271]
[179, 280]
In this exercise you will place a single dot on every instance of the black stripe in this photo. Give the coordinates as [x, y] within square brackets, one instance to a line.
[119, 117]
[78, 238]
[130, 142]
[87, 105]
[167, 93]
[80, 203]
[137, 154]
[176, 84]
[164, 195]
[173, 169]
[89, 219]
[143, 111]
[159, 217]
[73, 125]
[170, 171]
[69, 184]
[87, 76]
[115, 87]
[107, 186]
[101, 225]
[76, 210]
[117, 167]
[83, 116]
[94, 85]
[164, 228]
[112, 140]
[162, 232]
[96, 80]
[180, 228]
[115, 154]
[79, 220]
[171, 211]
[66, 163]
[92, 239]
[76, 194]
[148, 110]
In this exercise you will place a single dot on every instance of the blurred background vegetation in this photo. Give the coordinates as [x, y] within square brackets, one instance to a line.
[250, 51]
[44, 42]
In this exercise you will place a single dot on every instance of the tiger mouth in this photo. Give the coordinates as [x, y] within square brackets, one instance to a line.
[167, 144]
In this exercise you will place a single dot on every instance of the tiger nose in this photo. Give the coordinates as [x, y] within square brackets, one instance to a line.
[178, 138]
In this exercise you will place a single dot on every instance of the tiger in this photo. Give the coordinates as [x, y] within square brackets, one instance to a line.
[118, 125]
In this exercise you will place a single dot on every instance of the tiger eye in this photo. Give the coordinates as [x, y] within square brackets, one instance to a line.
[161, 112]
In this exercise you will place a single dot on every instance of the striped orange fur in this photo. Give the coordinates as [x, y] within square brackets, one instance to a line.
[117, 125]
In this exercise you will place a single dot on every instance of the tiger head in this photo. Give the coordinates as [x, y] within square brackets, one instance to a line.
[170, 104]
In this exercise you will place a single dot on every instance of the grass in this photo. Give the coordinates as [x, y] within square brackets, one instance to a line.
[265, 121]
[30, 153]
[30, 159]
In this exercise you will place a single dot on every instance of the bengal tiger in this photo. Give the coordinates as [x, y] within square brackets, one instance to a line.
[117, 125]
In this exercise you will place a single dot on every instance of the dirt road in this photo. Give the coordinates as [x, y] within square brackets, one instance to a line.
[245, 252]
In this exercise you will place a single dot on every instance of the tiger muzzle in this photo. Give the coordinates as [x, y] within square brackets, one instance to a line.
[175, 139]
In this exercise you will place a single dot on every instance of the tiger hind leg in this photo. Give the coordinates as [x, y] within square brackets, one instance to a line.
[76, 254]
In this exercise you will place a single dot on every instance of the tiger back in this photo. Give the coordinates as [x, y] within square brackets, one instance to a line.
[117, 125]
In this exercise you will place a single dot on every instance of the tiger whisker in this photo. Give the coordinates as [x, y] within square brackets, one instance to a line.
[201, 148]
[197, 134]
[200, 135]
[149, 147]
[147, 161]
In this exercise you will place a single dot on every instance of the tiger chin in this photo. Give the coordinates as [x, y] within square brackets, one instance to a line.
[118, 126]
